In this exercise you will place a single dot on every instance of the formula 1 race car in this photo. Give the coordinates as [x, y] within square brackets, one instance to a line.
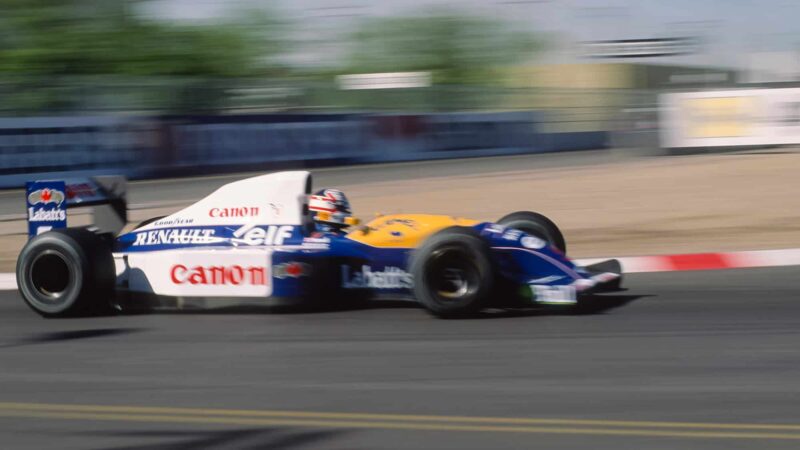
[254, 242]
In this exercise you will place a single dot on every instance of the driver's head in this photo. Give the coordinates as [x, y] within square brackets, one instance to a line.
[330, 208]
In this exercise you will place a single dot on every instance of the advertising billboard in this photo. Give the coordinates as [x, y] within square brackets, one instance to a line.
[730, 118]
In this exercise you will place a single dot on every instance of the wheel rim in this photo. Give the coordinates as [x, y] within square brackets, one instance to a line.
[452, 274]
[50, 276]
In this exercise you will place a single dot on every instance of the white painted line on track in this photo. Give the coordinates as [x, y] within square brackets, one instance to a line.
[8, 281]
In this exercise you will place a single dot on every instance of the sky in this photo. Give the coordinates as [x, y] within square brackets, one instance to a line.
[732, 30]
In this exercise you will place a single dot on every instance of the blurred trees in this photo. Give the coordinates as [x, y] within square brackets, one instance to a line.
[46, 43]
[456, 48]
[105, 55]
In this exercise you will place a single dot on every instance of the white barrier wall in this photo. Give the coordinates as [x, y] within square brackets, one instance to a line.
[730, 118]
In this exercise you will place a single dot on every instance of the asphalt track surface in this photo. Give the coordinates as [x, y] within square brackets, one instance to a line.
[682, 360]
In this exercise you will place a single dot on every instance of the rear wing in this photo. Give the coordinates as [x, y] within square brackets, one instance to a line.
[48, 201]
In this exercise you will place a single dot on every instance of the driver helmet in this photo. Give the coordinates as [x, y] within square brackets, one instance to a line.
[329, 207]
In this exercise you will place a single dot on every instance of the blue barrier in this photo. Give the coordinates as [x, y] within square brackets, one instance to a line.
[227, 144]
[569, 141]
[146, 147]
[54, 147]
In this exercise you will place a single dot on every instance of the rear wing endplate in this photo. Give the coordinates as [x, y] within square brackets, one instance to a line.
[47, 202]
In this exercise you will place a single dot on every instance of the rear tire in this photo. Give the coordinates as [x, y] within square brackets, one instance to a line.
[537, 225]
[67, 272]
[453, 273]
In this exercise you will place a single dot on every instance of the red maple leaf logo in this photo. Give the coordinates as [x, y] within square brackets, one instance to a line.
[294, 270]
[46, 195]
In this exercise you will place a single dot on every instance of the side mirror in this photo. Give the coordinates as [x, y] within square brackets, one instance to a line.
[352, 221]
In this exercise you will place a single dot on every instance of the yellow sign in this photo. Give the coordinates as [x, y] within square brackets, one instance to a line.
[714, 117]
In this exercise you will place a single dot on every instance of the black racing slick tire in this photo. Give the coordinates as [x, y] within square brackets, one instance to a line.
[453, 273]
[537, 225]
[67, 272]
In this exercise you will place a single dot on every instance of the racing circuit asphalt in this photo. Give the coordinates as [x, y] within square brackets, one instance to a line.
[687, 360]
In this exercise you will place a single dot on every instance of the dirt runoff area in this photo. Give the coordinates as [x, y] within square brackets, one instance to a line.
[701, 203]
[733, 201]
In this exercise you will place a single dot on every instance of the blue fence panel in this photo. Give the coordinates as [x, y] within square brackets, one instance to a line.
[137, 147]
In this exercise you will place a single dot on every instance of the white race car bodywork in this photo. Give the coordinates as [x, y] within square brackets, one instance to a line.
[213, 272]
[220, 246]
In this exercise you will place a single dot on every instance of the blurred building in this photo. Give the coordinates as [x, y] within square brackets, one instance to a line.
[772, 67]
[593, 95]
[619, 75]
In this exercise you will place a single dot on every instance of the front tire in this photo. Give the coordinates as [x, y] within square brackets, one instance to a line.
[537, 225]
[67, 272]
[453, 272]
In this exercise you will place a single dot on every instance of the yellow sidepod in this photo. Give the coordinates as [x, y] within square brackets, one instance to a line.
[404, 230]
